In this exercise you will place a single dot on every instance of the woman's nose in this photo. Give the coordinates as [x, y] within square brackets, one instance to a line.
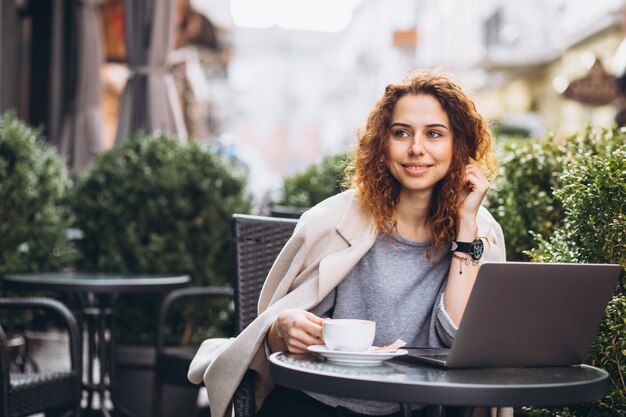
[416, 147]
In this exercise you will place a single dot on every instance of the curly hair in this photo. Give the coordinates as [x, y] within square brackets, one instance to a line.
[378, 191]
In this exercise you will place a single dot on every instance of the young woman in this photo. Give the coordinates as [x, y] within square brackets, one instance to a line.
[401, 247]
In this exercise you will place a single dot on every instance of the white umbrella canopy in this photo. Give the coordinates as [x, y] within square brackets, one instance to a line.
[149, 101]
[82, 130]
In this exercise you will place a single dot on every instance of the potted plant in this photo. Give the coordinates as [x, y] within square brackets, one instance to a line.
[156, 206]
[34, 182]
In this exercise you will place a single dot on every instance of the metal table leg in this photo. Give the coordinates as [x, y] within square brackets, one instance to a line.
[436, 411]
[101, 334]
[405, 409]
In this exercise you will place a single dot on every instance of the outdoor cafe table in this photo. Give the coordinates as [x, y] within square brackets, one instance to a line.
[95, 295]
[405, 381]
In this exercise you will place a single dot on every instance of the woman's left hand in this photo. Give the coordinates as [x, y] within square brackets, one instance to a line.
[471, 197]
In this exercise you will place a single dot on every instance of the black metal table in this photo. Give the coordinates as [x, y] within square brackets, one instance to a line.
[405, 381]
[95, 295]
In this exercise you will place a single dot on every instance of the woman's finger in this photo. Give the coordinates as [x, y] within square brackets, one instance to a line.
[297, 347]
[477, 183]
[297, 329]
[313, 327]
[304, 337]
[301, 342]
[315, 319]
[474, 170]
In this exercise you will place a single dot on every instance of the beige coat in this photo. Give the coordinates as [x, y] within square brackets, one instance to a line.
[327, 243]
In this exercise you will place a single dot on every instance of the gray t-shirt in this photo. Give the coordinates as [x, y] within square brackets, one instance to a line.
[396, 285]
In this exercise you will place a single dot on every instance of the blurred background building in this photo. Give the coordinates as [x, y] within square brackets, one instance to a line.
[279, 84]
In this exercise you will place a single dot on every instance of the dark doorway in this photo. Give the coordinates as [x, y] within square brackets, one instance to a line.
[36, 64]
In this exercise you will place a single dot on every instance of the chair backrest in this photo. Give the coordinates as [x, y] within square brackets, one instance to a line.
[258, 242]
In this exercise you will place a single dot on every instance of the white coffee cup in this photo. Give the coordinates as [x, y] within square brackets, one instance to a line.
[348, 334]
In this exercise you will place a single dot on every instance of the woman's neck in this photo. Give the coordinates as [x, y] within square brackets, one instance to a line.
[412, 217]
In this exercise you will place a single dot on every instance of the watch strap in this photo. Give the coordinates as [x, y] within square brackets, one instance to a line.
[461, 247]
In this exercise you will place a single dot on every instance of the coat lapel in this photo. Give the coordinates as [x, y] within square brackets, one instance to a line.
[359, 233]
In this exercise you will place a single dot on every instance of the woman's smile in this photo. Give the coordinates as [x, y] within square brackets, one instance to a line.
[416, 168]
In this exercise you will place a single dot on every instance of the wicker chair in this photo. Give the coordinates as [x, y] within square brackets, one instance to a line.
[50, 392]
[172, 363]
[258, 241]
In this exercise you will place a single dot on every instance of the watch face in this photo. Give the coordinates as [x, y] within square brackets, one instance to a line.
[477, 248]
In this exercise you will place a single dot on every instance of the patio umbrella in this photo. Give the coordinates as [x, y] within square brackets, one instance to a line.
[81, 131]
[149, 101]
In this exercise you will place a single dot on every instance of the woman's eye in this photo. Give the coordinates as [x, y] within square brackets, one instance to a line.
[434, 134]
[401, 133]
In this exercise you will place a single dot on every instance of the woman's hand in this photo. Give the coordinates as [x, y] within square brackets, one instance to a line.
[471, 197]
[294, 330]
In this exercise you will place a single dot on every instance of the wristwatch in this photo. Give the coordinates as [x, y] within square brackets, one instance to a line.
[474, 248]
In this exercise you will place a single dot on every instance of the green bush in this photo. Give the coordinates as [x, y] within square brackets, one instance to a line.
[522, 199]
[155, 206]
[316, 183]
[33, 184]
[593, 195]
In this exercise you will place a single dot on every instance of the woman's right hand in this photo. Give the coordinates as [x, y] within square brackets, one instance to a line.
[295, 330]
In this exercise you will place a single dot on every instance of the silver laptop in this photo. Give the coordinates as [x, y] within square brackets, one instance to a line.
[529, 314]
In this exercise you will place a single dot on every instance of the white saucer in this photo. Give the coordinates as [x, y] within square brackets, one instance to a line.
[372, 357]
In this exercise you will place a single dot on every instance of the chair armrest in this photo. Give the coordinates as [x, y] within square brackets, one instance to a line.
[4, 374]
[31, 303]
[191, 292]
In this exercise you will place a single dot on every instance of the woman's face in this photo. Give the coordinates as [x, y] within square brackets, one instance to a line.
[419, 149]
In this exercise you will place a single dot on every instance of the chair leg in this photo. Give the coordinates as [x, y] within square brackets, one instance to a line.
[405, 410]
[459, 411]
[60, 412]
[204, 412]
[157, 399]
[466, 412]
[436, 411]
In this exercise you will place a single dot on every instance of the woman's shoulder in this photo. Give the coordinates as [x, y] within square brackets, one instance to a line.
[333, 206]
[331, 210]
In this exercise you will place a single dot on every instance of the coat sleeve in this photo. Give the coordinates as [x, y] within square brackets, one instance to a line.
[491, 232]
[208, 350]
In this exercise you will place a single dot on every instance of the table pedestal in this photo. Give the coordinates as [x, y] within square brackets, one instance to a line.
[98, 321]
